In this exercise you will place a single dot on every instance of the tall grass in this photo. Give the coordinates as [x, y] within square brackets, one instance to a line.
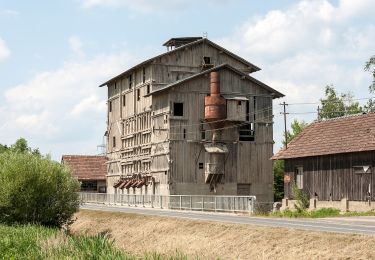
[37, 242]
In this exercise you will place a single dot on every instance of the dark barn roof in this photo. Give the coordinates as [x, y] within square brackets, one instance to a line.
[86, 167]
[340, 135]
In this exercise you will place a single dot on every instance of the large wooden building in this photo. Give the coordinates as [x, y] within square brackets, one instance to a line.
[333, 160]
[190, 121]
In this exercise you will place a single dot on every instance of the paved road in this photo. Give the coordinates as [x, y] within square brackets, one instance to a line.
[352, 225]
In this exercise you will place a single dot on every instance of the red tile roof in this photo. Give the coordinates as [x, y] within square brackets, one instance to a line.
[340, 135]
[86, 167]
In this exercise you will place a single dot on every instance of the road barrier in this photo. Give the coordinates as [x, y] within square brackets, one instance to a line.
[244, 204]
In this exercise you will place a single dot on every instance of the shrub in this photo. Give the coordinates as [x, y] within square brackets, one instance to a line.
[36, 190]
[302, 200]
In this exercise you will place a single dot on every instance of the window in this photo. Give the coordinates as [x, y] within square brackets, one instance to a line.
[148, 89]
[207, 60]
[200, 165]
[203, 134]
[115, 85]
[114, 141]
[138, 94]
[130, 78]
[144, 75]
[124, 100]
[299, 177]
[184, 133]
[110, 106]
[246, 132]
[178, 109]
[239, 103]
[89, 186]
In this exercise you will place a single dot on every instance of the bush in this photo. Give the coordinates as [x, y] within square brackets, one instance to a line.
[302, 199]
[36, 190]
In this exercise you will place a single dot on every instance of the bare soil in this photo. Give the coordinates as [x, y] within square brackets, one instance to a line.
[138, 234]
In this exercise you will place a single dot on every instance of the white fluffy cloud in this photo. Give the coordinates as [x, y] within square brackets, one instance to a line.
[76, 45]
[4, 51]
[64, 107]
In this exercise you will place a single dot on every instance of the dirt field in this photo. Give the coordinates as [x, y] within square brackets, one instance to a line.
[210, 240]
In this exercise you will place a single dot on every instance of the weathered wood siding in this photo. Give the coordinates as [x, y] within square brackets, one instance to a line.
[332, 177]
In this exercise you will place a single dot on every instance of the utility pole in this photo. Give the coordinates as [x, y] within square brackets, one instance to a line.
[285, 113]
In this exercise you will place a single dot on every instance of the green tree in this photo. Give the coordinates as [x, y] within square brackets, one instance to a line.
[337, 104]
[36, 190]
[297, 128]
[20, 146]
[370, 66]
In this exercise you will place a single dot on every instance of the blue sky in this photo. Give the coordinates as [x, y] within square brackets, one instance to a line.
[54, 54]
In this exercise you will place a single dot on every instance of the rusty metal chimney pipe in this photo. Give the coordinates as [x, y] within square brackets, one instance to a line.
[214, 83]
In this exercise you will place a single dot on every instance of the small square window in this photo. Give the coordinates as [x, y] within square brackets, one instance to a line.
[178, 109]
[200, 165]
[207, 60]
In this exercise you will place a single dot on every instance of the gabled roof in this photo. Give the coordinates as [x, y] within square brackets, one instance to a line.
[181, 41]
[341, 135]
[252, 66]
[217, 68]
[86, 167]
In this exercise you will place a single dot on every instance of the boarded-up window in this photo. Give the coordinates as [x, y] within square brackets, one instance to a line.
[243, 189]
[299, 177]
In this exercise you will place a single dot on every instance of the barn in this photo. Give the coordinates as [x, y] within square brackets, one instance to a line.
[333, 161]
[190, 121]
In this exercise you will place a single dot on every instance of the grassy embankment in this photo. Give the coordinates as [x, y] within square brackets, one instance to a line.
[36, 242]
[212, 240]
[320, 213]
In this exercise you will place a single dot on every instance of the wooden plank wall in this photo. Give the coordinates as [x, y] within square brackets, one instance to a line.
[332, 177]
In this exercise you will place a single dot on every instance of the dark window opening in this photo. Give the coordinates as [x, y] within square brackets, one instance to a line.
[115, 85]
[255, 108]
[89, 186]
[165, 173]
[203, 133]
[148, 89]
[239, 103]
[200, 165]
[246, 132]
[184, 133]
[123, 100]
[114, 141]
[110, 106]
[248, 110]
[207, 60]
[144, 75]
[178, 109]
[130, 81]
[138, 94]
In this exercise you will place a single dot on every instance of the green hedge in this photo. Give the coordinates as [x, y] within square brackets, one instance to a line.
[34, 189]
